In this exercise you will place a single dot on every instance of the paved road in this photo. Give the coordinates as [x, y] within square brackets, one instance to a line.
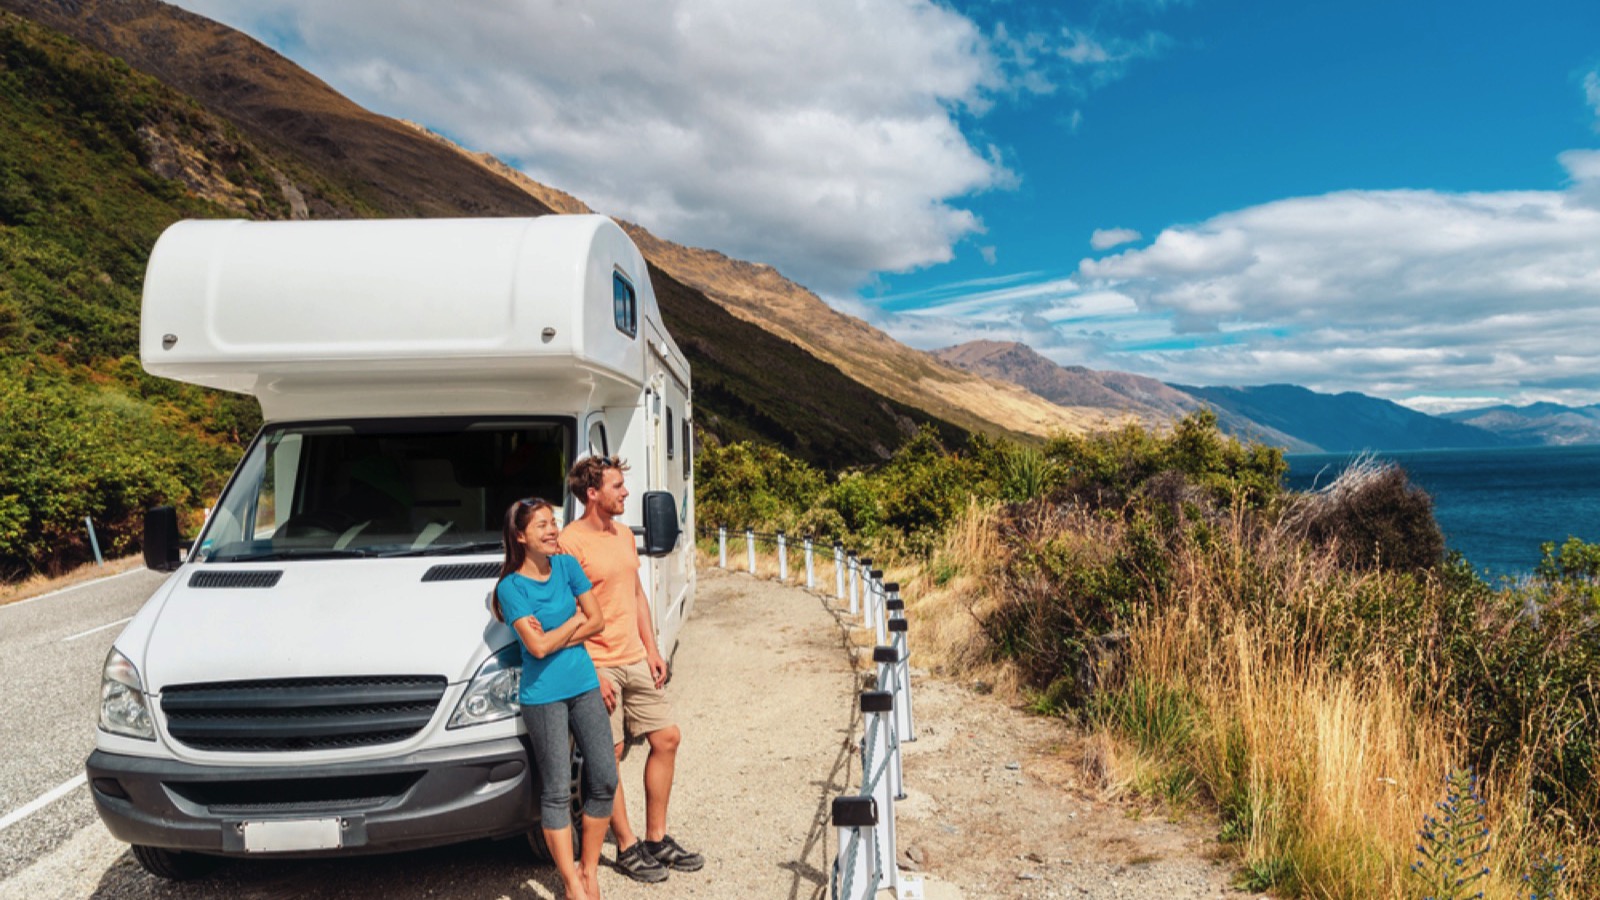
[755, 775]
[51, 651]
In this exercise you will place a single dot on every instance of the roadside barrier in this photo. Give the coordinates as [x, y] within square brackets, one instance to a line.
[865, 860]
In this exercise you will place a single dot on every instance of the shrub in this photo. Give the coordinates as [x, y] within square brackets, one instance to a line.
[1375, 517]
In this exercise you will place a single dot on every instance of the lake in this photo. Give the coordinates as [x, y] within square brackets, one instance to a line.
[1495, 506]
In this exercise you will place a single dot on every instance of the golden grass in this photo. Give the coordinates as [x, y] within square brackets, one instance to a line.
[1328, 767]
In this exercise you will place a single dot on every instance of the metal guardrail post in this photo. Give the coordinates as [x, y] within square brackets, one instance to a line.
[722, 546]
[810, 570]
[905, 723]
[855, 574]
[855, 875]
[880, 773]
[783, 556]
[94, 541]
[877, 607]
[838, 571]
[864, 569]
[750, 548]
[888, 660]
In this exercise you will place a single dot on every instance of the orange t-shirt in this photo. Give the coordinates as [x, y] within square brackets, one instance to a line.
[612, 563]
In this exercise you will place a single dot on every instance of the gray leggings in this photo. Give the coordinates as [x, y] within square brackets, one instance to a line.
[585, 718]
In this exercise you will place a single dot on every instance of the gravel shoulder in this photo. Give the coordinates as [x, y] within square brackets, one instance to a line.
[999, 804]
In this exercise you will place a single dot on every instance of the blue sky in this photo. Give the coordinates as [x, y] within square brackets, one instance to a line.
[1397, 198]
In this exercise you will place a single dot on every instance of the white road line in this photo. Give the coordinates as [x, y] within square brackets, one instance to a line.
[66, 589]
[97, 628]
[54, 794]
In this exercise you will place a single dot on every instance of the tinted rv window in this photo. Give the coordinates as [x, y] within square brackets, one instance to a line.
[669, 432]
[385, 487]
[624, 306]
[688, 465]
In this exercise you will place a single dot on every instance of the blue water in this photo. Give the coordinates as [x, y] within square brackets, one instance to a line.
[1495, 506]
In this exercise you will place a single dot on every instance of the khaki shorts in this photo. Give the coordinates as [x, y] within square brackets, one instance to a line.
[643, 708]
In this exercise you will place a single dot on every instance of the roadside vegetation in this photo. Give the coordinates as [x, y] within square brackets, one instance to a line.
[1314, 670]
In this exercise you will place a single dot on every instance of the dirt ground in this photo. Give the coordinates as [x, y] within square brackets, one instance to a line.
[999, 804]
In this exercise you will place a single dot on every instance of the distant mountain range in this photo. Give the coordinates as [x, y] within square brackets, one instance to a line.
[1286, 415]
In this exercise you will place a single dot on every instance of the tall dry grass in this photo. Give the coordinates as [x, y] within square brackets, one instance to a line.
[1263, 681]
[1322, 747]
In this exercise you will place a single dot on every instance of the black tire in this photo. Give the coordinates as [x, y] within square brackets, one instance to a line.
[536, 841]
[174, 865]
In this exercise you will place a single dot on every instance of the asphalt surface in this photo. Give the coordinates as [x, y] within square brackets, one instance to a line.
[752, 790]
[49, 694]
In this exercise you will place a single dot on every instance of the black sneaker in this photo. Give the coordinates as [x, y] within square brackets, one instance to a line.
[669, 854]
[637, 863]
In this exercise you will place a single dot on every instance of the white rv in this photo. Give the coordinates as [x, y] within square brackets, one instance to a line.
[321, 673]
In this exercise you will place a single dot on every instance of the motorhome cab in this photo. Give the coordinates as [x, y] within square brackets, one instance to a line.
[321, 674]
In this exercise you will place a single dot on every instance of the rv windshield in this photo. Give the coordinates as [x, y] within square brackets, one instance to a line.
[385, 488]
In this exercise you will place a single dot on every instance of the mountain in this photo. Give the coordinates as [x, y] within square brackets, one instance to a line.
[402, 170]
[313, 153]
[760, 295]
[1536, 423]
[1150, 401]
[1343, 422]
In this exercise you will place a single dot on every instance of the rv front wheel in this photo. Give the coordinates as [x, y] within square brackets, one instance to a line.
[174, 865]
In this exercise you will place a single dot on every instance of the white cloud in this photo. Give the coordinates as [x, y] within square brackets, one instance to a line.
[1106, 238]
[825, 137]
[1402, 294]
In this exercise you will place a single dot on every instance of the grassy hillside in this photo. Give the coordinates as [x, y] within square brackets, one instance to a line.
[82, 430]
[96, 159]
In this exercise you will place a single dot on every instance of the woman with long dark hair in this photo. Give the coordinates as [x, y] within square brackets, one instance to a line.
[546, 599]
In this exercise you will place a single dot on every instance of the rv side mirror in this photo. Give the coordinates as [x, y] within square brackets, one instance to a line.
[660, 523]
[161, 540]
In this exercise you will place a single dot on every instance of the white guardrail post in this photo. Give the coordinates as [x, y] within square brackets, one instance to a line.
[888, 660]
[750, 548]
[877, 607]
[811, 581]
[880, 778]
[864, 570]
[783, 557]
[905, 724]
[855, 875]
[855, 572]
[722, 546]
[838, 571]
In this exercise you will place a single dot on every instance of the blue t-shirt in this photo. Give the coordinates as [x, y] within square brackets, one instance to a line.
[567, 672]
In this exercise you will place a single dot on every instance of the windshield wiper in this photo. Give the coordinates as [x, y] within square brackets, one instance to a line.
[293, 553]
[450, 549]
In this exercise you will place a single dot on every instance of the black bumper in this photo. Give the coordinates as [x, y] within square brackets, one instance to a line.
[426, 799]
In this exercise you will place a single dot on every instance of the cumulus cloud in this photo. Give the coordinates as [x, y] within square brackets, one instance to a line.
[1391, 292]
[1106, 238]
[825, 138]
[1420, 296]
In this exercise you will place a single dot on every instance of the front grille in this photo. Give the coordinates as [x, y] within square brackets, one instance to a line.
[300, 713]
[301, 795]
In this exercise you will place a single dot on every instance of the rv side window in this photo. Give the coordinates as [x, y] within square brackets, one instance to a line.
[597, 440]
[669, 432]
[624, 306]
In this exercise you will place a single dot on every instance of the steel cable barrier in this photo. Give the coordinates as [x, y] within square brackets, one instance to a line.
[865, 861]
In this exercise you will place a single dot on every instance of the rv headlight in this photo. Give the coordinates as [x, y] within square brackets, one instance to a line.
[492, 694]
[123, 709]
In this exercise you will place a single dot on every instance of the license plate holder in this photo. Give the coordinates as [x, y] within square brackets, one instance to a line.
[292, 835]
